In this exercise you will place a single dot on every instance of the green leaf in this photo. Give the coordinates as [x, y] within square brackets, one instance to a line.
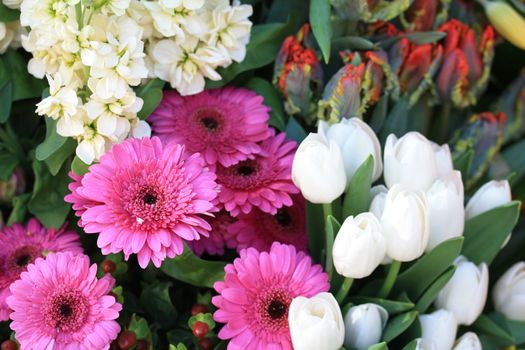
[392, 306]
[397, 120]
[52, 142]
[294, 130]
[57, 159]
[314, 224]
[272, 98]
[156, 301]
[492, 325]
[7, 14]
[420, 38]
[191, 269]
[431, 293]
[47, 202]
[357, 194]
[79, 167]
[6, 99]
[321, 26]
[485, 233]
[398, 325]
[25, 85]
[379, 114]
[265, 42]
[18, 213]
[354, 43]
[378, 346]
[517, 329]
[140, 326]
[411, 346]
[9, 162]
[416, 279]
[463, 162]
[151, 93]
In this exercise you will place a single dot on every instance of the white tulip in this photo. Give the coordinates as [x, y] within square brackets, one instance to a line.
[509, 293]
[439, 328]
[316, 323]
[466, 292]
[357, 141]
[446, 210]
[468, 341]
[489, 196]
[364, 325]
[359, 246]
[378, 197]
[405, 222]
[425, 344]
[410, 161]
[318, 169]
[443, 159]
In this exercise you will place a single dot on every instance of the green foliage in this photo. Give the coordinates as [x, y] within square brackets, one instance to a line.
[151, 94]
[321, 26]
[156, 301]
[398, 325]
[357, 194]
[272, 99]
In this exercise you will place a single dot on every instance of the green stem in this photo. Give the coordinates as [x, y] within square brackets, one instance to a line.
[393, 271]
[343, 291]
[329, 239]
[444, 118]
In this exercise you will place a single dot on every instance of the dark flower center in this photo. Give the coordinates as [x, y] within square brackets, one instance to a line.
[210, 123]
[283, 217]
[149, 199]
[23, 256]
[66, 310]
[276, 309]
[245, 170]
[23, 260]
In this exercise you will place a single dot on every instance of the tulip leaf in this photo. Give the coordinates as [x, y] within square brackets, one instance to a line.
[379, 114]
[354, 43]
[416, 279]
[357, 196]
[412, 345]
[485, 233]
[431, 293]
[463, 162]
[398, 325]
[295, 131]
[378, 346]
[396, 121]
[191, 269]
[392, 306]
[271, 99]
[321, 26]
[517, 329]
[493, 325]
[265, 42]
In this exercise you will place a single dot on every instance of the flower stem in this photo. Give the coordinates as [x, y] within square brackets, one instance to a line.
[329, 239]
[343, 291]
[393, 271]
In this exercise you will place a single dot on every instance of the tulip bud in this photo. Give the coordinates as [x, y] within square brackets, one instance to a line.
[506, 21]
[440, 328]
[405, 223]
[377, 204]
[509, 293]
[468, 341]
[425, 344]
[357, 142]
[316, 323]
[318, 169]
[364, 325]
[443, 159]
[489, 196]
[409, 155]
[359, 246]
[466, 292]
[445, 208]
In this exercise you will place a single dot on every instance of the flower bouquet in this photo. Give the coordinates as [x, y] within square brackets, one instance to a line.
[262, 175]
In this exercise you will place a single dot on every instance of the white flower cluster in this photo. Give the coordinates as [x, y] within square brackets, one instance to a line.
[10, 35]
[94, 52]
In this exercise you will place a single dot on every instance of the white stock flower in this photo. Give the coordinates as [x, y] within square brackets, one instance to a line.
[117, 7]
[91, 145]
[61, 102]
[8, 34]
[50, 13]
[12, 4]
[141, 129]
[186, 65]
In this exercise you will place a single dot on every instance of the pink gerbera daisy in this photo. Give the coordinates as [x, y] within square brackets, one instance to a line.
[264, 181]
[218, 239]
[145, 199]
[21, 245]
[60, 304]
[259, 229]
[224, 125]
[256, 294]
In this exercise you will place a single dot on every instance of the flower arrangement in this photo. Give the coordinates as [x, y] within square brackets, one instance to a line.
[211, 175]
